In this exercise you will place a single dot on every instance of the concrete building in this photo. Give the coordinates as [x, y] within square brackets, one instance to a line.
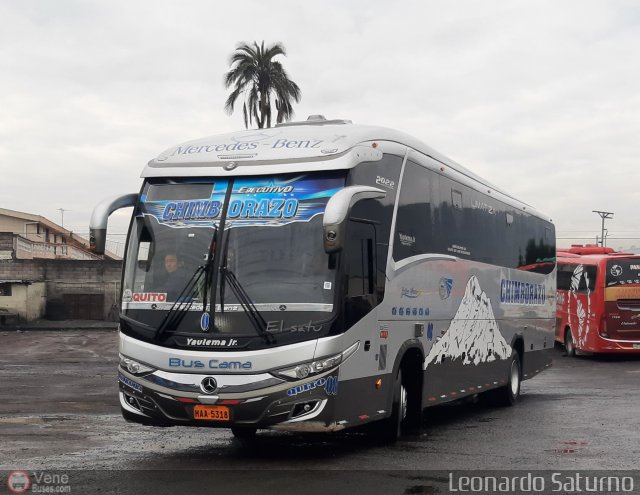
[27, 236]
[48, 271]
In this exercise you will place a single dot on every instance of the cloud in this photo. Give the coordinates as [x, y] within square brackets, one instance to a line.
[540, 98]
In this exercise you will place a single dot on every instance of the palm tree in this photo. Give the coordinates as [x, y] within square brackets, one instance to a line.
[255, 73]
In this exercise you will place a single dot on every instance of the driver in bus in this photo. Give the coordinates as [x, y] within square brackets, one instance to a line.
[176, 279]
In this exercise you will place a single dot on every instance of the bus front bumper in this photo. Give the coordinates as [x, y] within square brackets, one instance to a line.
[252, 401]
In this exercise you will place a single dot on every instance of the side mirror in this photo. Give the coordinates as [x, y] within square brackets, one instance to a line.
[337, 212]
[100, 218]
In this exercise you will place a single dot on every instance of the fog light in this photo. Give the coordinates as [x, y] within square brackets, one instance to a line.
[303, 408]
[133, 402]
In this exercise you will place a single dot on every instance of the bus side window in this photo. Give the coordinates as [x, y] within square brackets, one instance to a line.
[360, 270]
[414, 222]
[360, 258]
[564, 276]
[588, 276]
[143, 260]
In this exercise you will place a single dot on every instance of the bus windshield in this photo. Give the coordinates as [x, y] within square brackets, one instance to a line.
[271, 254]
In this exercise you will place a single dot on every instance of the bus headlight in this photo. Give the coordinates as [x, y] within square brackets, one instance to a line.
[307, 369]
[304, 370]
[134, 367]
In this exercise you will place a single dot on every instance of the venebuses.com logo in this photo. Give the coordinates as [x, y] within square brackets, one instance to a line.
[38, 482]
[18, 482]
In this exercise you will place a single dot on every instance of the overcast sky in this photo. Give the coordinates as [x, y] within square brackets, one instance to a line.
[540, 98]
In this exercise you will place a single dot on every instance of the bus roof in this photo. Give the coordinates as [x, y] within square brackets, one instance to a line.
[592, 251]
[314, 141]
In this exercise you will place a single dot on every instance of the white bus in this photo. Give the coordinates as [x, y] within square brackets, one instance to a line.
[322, 275]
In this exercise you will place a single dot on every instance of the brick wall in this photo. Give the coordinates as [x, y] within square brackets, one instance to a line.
[63, 277]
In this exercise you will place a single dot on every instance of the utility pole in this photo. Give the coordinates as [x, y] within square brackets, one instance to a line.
[604, 215]
[62, 210]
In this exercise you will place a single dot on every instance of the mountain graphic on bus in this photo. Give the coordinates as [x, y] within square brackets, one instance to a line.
[473, 335]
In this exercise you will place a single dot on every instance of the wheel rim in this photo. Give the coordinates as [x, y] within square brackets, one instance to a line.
[403, 403]
[515, 378]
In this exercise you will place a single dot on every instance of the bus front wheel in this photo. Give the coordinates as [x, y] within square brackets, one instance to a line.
[243, 432]
[390, 429]
[569, 345]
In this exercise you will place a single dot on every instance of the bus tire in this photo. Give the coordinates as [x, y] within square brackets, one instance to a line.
[243, 432]
[390, 429]
[510, 393]
[569, 344]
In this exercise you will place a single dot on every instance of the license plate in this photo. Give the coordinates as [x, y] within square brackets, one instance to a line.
[212, 413]
[636, 346]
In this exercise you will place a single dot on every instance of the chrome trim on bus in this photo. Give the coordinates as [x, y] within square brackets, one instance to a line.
[262, 360]
[226, 383]
[130, 409]
[396, 266]
[619, 341]
[234, 308]
[319, 407]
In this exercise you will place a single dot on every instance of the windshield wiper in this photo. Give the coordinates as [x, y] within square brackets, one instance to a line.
[214, 264]
[223, 267]
[184, 301]
[208, 268]
[247, 304]
[182, 304]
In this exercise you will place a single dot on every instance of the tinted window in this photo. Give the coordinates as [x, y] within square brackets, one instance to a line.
[383, 174]
[564, 276]
[623, 272]
[584, 280]
[359, 258]
[439, 215]
[578, 278]
[414, 225]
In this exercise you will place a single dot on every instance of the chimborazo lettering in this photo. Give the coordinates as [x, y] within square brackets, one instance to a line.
[514, 292]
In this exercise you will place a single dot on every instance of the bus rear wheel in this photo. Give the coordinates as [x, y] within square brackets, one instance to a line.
[569, 345]
[510, 393]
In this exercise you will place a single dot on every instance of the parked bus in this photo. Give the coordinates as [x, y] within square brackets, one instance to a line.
[330, 275]
[598, 300]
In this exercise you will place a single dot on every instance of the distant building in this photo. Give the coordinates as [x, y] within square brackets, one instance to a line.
[47, 270]
[24, 236]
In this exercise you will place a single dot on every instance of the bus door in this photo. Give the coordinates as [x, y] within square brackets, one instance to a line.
[362, 295]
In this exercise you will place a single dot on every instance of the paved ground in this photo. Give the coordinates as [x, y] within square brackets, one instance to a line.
[59, 411]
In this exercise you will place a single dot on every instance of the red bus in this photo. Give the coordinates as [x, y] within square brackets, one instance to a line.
[598, 300]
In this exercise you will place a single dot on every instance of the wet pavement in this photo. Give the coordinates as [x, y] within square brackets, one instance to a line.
[59, 411]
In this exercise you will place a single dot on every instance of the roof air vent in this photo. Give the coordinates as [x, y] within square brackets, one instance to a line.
[315, 120]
